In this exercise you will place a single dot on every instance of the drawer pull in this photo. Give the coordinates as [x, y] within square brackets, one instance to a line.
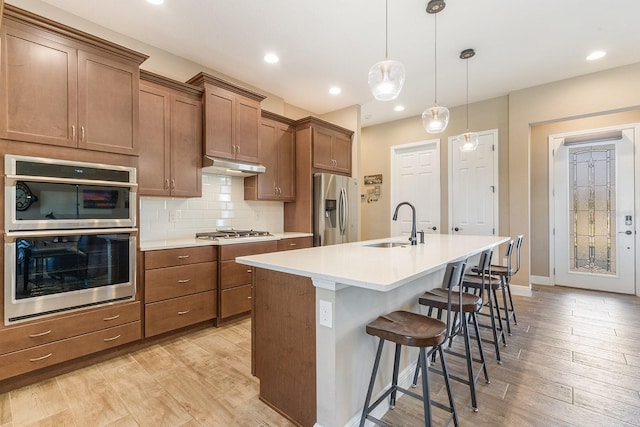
[37, 359]
[41, 334]
[249, 297]
[183, 312]
[293, 244]
[184, 281]
[183, 256]
[249, 271]
[106, 319]
[112, 338]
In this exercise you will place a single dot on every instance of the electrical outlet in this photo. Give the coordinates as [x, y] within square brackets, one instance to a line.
[324, 313]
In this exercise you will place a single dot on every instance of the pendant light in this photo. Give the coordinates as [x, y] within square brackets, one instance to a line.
[468, 141]
[386, 78]
[435, 119]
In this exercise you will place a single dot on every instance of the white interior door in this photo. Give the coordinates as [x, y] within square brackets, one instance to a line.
[415, 178]
[473, 186]
[593, 211]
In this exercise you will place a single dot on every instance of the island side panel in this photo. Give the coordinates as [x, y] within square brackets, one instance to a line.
[284, 337]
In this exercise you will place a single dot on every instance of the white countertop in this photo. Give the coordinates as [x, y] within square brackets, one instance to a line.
[381, 269]
[191, 242]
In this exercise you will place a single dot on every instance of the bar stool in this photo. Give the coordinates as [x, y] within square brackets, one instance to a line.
[505, 272]
[465, 307]
[413, 330]
[491, 283]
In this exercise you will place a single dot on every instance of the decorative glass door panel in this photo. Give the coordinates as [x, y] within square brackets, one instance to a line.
[592, 209]
[593, 188]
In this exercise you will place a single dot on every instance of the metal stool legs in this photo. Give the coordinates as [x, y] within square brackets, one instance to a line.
[426, 395]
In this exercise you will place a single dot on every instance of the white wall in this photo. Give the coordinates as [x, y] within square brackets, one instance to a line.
[222, 205]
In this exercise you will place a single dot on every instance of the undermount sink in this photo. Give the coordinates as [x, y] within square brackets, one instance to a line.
[387, 245]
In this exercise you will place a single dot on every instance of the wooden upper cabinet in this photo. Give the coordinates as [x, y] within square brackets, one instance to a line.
[231, 119]
[276, 151]
[67, 88]
[331, 145]
[170, 137]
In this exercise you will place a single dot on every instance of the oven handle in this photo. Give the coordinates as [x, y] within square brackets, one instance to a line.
[12, 179]
[11, 236]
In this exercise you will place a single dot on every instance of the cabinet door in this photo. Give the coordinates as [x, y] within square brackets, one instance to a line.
[219, 129]
[286, 166]
[186, 147]
[341, 150]
[154, 160]
[322, 156]
[38, 94]
[268, 147]
[107, 104]
[247, 130]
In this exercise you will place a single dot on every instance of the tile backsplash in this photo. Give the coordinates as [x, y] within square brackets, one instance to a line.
[222, 205]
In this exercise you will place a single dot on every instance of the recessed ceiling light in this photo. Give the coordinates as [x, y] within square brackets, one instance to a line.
[398, 108]
[156, 1]
[335, 90]
[271, 58]
[596, 55]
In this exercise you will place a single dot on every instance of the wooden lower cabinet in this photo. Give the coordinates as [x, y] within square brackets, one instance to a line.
[41, 356]
[37, 333]
[175, 313]
[295, 243]
[180, 288]
[235, 279]
[235, 300]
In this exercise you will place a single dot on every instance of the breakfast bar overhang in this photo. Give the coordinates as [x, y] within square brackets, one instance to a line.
[310, 308]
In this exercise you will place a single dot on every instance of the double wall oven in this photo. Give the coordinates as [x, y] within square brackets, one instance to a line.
[70, 236]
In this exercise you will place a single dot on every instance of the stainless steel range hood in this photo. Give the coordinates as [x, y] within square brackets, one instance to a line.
[215, 166]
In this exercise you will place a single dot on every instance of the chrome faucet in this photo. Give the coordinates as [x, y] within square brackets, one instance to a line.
[414, 238]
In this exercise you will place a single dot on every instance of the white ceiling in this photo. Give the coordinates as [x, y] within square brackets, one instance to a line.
[518, 43]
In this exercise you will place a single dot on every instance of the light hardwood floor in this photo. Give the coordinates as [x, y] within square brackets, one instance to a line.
[573, 360]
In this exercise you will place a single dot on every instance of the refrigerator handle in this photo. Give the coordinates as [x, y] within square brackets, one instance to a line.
[344, 211]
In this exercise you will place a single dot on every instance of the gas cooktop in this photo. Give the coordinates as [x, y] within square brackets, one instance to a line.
[231, 234]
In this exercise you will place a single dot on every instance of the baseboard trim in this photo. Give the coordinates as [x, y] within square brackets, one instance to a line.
[541, 280]
[521, 290]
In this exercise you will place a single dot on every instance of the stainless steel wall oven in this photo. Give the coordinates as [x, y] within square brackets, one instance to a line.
[70, 236]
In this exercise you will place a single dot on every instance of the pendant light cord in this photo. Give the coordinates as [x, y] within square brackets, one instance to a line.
[435, 58]
[386, 29]
[467, 60]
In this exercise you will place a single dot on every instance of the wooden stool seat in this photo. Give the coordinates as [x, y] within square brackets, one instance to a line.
[410, 329]
[438, 298]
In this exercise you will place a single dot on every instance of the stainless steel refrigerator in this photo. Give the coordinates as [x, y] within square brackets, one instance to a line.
[335, 209]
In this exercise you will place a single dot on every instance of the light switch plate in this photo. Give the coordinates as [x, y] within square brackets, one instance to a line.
[325, 313]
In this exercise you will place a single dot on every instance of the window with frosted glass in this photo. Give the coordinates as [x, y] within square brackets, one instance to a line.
[592, 209]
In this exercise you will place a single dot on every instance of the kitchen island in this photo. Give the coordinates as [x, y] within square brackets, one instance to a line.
[310, 308]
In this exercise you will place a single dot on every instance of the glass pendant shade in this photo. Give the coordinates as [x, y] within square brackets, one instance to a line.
[386, 79]
[435, 119]
[468, 141]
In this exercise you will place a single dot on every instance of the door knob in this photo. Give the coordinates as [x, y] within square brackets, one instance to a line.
[457, 229]
[434, 228]
[628, 232]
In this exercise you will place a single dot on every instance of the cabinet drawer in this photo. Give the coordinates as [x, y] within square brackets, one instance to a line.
[295, 243]
[23, 361]
[181, 256]
[235, 301]
[171, 282]
[230, 252]
[233, 274]
[19, 337]
[176, 313]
